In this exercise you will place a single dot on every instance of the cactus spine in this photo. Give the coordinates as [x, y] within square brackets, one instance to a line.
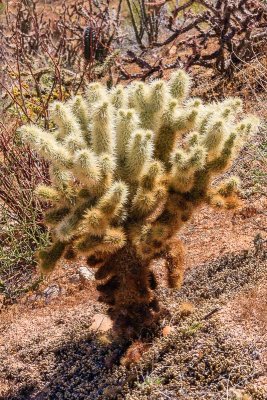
[128, 168]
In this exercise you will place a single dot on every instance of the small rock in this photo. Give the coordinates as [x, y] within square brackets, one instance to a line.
[101, 323]
[248, 212]
[173, 51]
[256, 355]
[34, 297]
[167, 330]
[186, 308]
[237, 394]
[85, 274]
[134, 353]
[222, 385]
[51, 292]
[75, 278]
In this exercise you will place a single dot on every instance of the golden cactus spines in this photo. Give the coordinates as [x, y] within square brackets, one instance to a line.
[180, 84]
[126, 123]
[103, 138]
[118, 97]
[95, 92]
[66, 121]
[80, 110]
[48, 193]
[128, 168]
[139, 152]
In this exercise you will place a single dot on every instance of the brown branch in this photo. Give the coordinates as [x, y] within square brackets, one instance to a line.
[179, 32]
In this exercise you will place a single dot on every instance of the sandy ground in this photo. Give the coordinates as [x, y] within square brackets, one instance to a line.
[33, 330]
[211, 234]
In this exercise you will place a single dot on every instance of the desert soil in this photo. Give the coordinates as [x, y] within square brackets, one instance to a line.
[49, 351]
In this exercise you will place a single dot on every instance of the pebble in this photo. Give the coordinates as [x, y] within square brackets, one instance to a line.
[236, 394]
[86, 274]
[52, 292]
[167, 330]
[75, 278]
[101, 323]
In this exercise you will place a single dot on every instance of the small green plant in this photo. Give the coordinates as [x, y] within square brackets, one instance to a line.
[150, 382]
[128, 168]
[19, 241]
[192, 329]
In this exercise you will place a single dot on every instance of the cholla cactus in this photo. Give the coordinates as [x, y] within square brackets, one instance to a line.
[128, 168]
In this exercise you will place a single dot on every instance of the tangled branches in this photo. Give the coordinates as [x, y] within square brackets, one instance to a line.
[221, 34]
[42, 53]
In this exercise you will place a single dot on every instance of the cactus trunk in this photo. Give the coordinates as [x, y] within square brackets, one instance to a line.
[129, 292]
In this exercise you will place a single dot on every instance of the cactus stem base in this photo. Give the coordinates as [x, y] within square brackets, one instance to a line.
[129, 291]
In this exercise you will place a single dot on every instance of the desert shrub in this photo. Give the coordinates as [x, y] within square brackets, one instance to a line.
[146, 18]
[50, 30]
[128, 167]
[48, 52]
[221, 33]
[19, 242]
[20, 171]
[21, 226]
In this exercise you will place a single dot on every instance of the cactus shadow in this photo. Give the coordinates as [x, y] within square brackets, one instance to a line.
[81, 369]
